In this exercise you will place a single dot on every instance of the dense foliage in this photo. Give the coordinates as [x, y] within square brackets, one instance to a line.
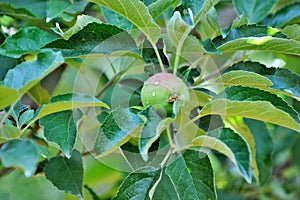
[73, 124]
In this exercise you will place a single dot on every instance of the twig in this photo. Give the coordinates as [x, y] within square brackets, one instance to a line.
[108, 84]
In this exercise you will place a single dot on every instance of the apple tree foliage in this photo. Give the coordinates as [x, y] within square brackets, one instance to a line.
[73, 124]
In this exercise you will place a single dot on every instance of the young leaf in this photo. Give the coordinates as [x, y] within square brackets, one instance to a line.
[7, 96]
[281, 79]
[255, 10]
[68, 102]
[39, 94]
[8, 132]
[20, 153]
[25, 41]
[252, 37]
[138, 184]
[264, 148]
[255, 104]
[135, 12]
[159, 6]
[61, 128]
[27, 74]
[153, 127]
[25, 117]
[192, 176]
[94, 38]
[193, 10]
[232, 145]
[66, 174]
[64, 9]
[116, 130]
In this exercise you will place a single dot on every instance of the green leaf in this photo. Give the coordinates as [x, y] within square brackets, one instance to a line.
[209, 26]
[137, 184]
[252, 37]
[264, 148]
[135, 12]
[25, 117]
[153, 127]
[292, 31]
[116, 130]
[255, 104]
[25, 41]
[9, 64]
[165, 189]
[67, 102]
[159, 6]
[7, 96]
[34, 8]
[192, 176]
[94, 38]
[281, 79]
[244, 78]
[287, 15]
[255, 10]
[27, 74]
[64, 9]
[81, 22]
[8, 132]
[114, 18]
[66, 174]
[39, 94]
[193, 10]
[61, 128]
[20, 153]
[230, 144]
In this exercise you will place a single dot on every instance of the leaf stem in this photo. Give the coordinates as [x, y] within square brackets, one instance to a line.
[158, 56]
[108, 84]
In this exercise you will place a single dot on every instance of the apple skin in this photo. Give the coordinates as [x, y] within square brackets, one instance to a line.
[162, 90]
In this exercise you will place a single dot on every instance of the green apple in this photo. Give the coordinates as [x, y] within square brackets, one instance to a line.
[162, 90]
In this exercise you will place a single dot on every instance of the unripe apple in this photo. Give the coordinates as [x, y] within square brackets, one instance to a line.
[162, 90]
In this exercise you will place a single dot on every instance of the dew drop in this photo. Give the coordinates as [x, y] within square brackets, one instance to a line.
[153, 94]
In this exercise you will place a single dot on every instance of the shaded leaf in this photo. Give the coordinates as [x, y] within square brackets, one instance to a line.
[27, 74]
[67, 102]
[165, 189]
[66, 174]
[287, 15]
[20, 153]
[25, 41]
[209, 26]
[135, 12]
[264, 148]
[116, 130]
[34, 8]
[231, 144]
[7, 64]
[255, 10]
[255, 104]
[114, 18]
[153, 127]
[26, 117]
[61, 128]
[192, 176]
[94, 38]
[64, 9]
[137, 184]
